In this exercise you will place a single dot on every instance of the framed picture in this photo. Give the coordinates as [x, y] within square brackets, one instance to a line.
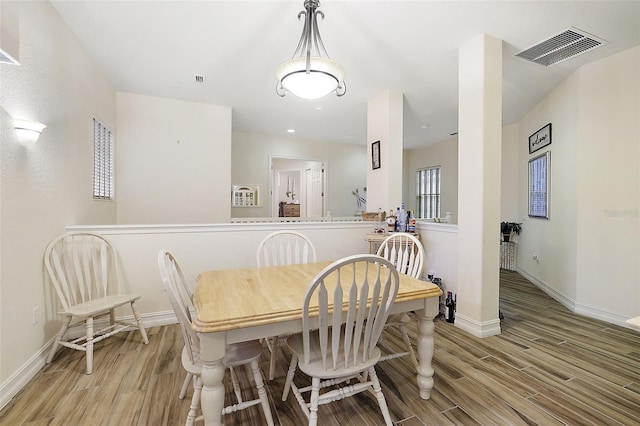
[540, 139]
[539, 178]
[375, 155]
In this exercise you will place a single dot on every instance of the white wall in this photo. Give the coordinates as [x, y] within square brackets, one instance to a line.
[345, 167]
[205, 247]
[608, 153]
[173, 161]
[510, 165]
[590, 247]
[48, 185]
[445, 155]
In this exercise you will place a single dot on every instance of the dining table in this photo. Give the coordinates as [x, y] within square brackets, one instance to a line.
[237, 305]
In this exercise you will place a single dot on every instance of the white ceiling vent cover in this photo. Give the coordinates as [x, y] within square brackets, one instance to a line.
[567, 44]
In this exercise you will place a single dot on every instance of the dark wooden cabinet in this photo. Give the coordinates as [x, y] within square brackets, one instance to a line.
[289, 210]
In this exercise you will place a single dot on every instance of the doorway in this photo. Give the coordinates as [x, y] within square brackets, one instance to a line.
[300, 182]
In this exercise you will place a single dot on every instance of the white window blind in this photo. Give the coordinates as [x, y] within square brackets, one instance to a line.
[428, 193]
[102, 161]
[539, 185]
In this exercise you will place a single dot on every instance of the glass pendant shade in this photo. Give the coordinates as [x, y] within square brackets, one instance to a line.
[323, 77]
[310, 73]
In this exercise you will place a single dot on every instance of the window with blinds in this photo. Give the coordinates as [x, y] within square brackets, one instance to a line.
[539, 185]
[102, 161]
[428, 193]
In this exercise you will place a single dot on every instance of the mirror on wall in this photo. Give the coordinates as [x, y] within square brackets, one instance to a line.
[297, 187]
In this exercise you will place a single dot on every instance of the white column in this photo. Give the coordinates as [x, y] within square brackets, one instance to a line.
[479, 182]
[384, 124]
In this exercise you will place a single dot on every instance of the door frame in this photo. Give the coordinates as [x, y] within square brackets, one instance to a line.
[272, 199]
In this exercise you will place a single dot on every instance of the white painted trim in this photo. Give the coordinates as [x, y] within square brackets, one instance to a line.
[485, 329]
[24, 374]
[21, 377]
[437, 227]
[214, 227]
[577, 308]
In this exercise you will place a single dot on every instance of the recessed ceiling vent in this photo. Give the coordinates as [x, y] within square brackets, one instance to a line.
[561, 47]
[199, 78]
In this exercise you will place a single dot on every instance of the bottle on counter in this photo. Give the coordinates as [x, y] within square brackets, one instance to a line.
[402, 219]
[397, 215]
[411, 225]
[391, 221]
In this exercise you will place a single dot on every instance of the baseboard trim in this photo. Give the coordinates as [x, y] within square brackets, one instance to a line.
[24, 374]
[574, 307]
[484, 329]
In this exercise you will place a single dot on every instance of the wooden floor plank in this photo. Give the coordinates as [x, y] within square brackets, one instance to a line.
[549, 366]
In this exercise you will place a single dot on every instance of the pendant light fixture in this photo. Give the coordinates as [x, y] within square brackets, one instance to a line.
[310, 73]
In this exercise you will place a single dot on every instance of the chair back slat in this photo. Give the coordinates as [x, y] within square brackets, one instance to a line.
[181, 299]
[285, 248]
[405, 252]
[348, 327]
[82, 267]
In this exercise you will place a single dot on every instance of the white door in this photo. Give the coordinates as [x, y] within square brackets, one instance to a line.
[315, 191]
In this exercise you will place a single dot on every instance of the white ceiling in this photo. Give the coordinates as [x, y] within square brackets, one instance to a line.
[156, 47]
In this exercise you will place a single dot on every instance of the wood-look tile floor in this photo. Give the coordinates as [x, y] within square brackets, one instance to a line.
[548, 367]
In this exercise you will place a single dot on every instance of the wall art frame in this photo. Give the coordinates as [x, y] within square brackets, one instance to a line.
[540, 139]
[375, 155]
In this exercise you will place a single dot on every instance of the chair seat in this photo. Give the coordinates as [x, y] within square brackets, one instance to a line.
[315, 367]
[102, 304]
[237, 354]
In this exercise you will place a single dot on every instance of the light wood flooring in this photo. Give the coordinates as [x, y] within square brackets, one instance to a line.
[548, 367]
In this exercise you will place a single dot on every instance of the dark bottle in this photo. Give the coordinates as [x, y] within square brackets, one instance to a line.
[450, 305]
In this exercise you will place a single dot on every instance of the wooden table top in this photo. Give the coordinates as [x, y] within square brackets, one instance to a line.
[237, 298]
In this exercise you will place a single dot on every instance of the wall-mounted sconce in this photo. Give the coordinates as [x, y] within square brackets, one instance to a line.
[27, 131]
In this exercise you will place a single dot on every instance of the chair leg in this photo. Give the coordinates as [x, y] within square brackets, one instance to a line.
[143, 332]
[262, 393]
[407, 341]
[313, 401]
[59, 337]
[89, 345]
[274, 344]
[380, 396]
[185, 386]
[235, 384]
[290, 374]
[195, 401]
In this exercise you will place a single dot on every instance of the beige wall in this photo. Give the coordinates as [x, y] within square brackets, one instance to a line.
[48, 185]
[173, 161]
[445, 155]
[589, 249]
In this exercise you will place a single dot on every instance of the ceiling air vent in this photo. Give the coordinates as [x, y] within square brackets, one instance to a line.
[567, 44]
[199, 78]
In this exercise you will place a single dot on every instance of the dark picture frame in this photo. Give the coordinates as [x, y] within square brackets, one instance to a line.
[539, 184]
[375, 155]
[540, 139]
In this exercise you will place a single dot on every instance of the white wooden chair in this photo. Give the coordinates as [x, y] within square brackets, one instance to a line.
[83, 269]
[407, 255]
[283, 248]
[338, 345]
[238, 354]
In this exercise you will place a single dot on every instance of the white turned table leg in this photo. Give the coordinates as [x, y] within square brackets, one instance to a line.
[212, 347]
[425, 346]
